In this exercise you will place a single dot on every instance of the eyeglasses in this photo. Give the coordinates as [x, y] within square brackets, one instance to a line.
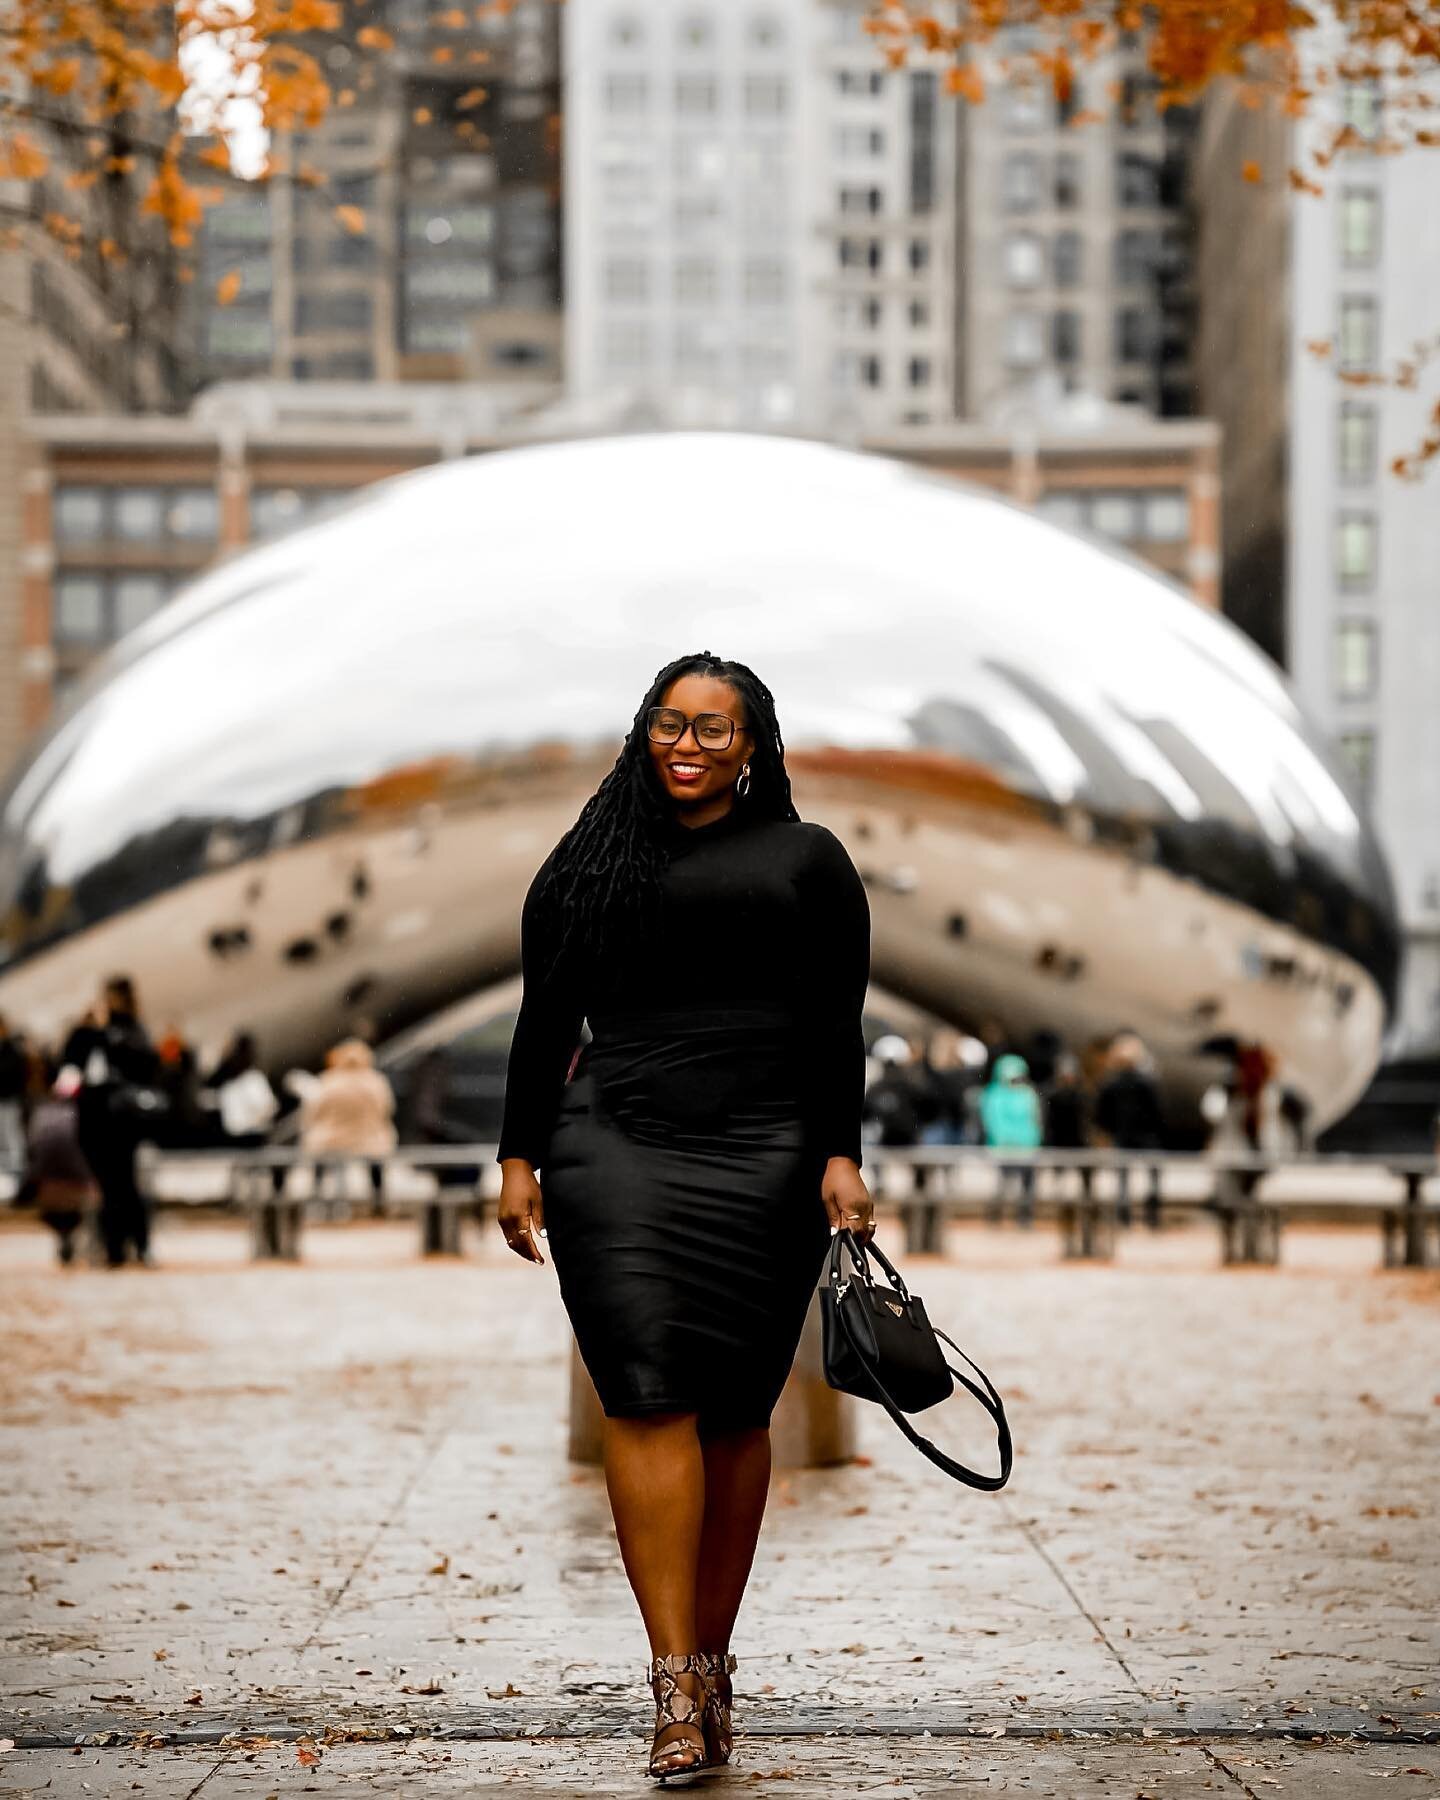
[666, 725]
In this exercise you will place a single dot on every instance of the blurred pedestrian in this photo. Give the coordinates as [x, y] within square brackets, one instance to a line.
[120, 1106]
[350, 1112]
[245, 1103]
[14, 1079]
[1127, 1112]
[60, 1180]
[1067, 1114]
[178, 1078]
[1013, 1119]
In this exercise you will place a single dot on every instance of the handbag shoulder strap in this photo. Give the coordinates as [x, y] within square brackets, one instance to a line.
[984, 1393]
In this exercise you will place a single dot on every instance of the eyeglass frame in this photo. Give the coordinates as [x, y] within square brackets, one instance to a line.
[689, 724]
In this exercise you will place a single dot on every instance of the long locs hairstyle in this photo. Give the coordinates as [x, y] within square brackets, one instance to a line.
[602, 891]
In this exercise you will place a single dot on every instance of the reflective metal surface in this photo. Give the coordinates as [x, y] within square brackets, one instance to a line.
[318, 783]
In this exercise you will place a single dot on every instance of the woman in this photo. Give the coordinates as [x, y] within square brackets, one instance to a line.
[119, 1107]
[706, 1144]
[57, 1172]
[350, 1111]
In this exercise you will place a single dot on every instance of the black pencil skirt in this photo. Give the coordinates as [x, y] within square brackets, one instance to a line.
[683, 1211]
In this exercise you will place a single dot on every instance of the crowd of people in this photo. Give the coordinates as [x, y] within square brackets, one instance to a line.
[74, 1114]
[1039, 1094]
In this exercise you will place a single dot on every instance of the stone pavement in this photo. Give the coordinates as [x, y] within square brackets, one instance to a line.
[272, 1530]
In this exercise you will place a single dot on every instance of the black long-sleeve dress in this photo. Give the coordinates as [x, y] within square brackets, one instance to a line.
[681, 1162]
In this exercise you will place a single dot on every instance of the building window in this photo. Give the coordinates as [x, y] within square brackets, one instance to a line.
[340, 311]
[436, 334]
[92, 610]
[695, 32]
[1137, 180]
[1357, 441]
[696, 281]
[79, 515]
[79, 614]
[1065, 337]
[627, 280]
[1165, 516]
[1020, 181]
[919, 314]
[766, 96]
[861, 253]
[1134, 334]
[1025, 106]
[136, 515]
[1116, 516]
[1360, 108]
[857, 141]
[696, 96]
[626, 31]
[1358, 750]
[1359, 332]
[1135, 257]
[1355, 550]
[764, 31]
[462, 283]
[919, 255]
[1359, 216]
[764, 281]
[861, 200]
[856, 312]
[1024, 259]
[626, 95]
[135, 598]
[1067, 180]
[1355, 659]
[919, 371]
[277, 509]
[1024, 340]
[860, 81]
[1068, 248]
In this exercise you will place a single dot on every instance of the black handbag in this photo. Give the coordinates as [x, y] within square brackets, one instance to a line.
[878, 1344]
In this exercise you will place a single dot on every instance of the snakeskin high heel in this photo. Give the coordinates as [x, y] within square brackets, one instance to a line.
[719, 1698]
[675, 1708]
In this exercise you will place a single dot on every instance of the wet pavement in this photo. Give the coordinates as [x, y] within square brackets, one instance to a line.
[296, 1529]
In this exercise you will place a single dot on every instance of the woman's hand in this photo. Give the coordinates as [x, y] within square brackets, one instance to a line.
[522, 1209]
[847, 1199]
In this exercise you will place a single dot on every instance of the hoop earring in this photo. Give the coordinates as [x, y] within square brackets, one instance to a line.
[742, 782]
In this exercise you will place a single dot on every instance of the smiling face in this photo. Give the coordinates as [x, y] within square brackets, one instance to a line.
[693, 775]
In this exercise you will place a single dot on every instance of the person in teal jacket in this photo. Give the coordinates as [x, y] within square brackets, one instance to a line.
[1012, 1119]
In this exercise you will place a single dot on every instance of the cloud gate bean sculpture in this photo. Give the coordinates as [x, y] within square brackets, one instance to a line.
[318, 784]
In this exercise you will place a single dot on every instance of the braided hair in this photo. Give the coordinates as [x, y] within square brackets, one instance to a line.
[602, 890]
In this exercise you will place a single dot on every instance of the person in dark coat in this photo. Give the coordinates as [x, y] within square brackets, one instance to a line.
[1127, 1111]
[14, 1079]
[119, 1106]
[1067, 1114]
[57, 1175]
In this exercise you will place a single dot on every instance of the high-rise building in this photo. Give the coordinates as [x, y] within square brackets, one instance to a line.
[688, 227]
[1310, 303]
[415, 233]
[1075, 258]
[90, 326]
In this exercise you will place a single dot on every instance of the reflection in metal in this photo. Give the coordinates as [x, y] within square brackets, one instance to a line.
[317, 785]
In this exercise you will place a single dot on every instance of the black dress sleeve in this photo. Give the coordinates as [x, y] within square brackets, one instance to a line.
[546, 1033]
[836, 914]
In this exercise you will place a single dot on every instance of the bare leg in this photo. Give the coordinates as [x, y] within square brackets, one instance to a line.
[655, 1476]
[737, 1482]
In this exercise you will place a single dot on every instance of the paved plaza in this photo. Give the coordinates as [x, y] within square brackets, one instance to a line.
[279, 1530]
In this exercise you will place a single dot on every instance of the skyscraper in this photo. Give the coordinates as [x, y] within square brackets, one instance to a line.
[415, 234]
[1310, 303]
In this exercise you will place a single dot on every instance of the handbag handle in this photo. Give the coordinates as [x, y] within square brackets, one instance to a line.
[987, 1395]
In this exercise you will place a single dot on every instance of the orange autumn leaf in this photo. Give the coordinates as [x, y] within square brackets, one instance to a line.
[472, 98]
[22, 159]
[422, 115]
[372, 37]
[966, 81]
[352, 218]
[227, 287]
[1251, 170]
